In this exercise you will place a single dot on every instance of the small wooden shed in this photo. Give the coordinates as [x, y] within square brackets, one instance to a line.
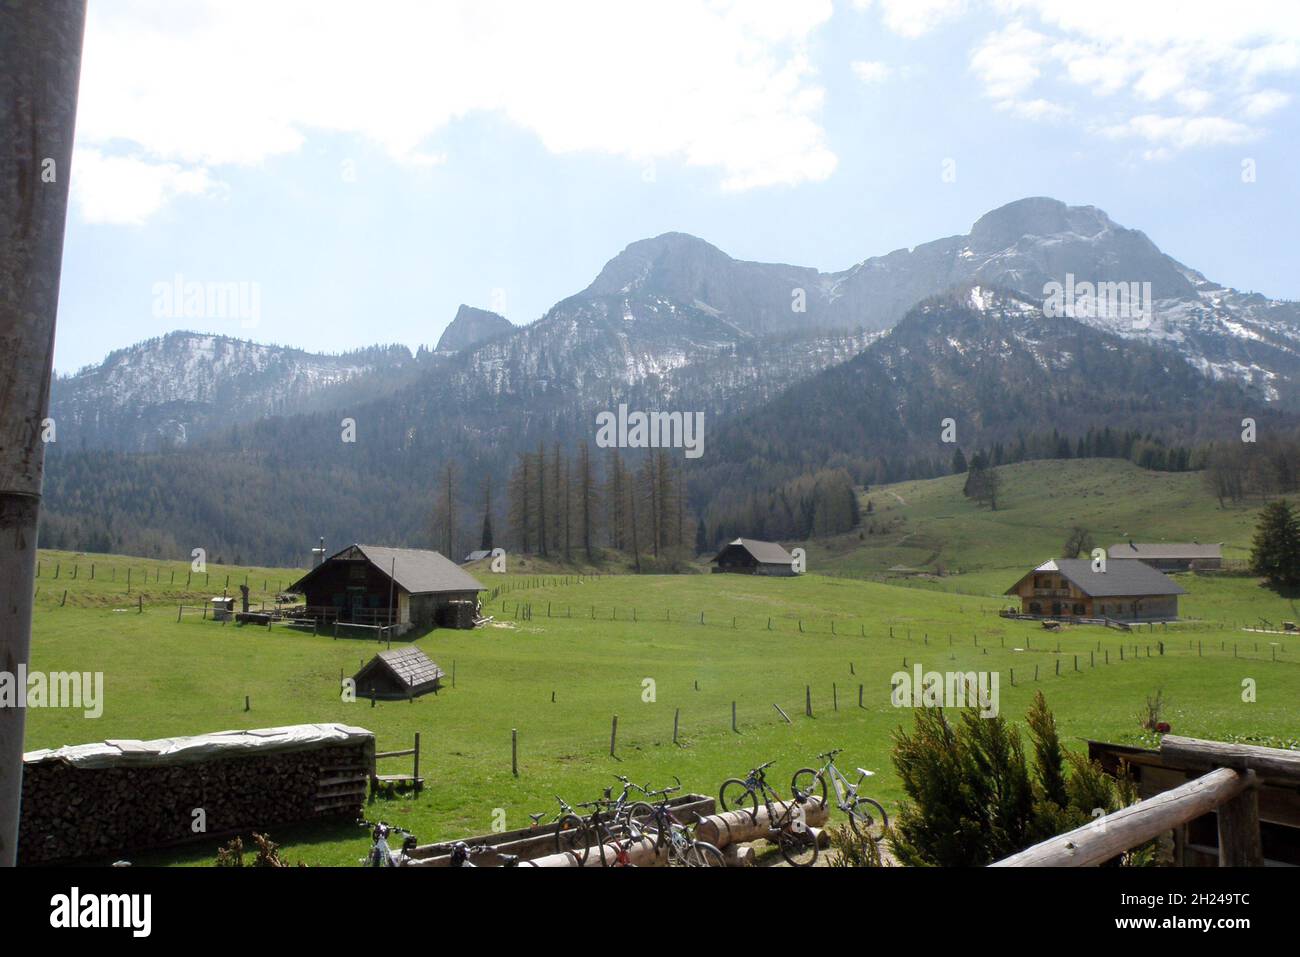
[398, 673]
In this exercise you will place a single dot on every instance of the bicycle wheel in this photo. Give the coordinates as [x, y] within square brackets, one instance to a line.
[799, 848]
[868, 819]
[702, 854]
[642, 815]
[809, 782]
[572, 834]
[736, 795]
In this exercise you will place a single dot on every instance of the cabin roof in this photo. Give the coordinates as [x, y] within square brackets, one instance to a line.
[766, 553]
[410, 667]
[415, 570]
[1122, 578]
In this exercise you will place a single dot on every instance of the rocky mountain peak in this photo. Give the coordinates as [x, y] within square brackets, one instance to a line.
[470, 327]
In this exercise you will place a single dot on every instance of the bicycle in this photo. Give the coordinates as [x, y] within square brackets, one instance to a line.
[670, 834]
[797, 843]
[618, 854]
[381, 855]
[864, 813]
[609, 814]
[571, 832]
[462, 852]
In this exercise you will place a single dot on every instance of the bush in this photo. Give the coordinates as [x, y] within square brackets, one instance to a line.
[974, 797]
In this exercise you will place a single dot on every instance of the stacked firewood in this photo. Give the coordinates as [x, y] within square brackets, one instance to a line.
[70, 812]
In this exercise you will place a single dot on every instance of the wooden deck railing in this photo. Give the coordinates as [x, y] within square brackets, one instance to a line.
[1230, 788]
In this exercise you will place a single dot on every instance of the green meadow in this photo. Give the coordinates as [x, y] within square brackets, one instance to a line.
[645, 648]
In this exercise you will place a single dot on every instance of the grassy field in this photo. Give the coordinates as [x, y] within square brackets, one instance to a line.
[929, 525]
[165, 677]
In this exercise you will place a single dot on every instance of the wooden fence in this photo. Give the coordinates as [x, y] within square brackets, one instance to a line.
[1229, 788]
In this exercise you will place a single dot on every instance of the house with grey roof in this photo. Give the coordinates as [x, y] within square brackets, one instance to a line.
[400, 587]
[749, 556]
[1126, 590]
[1171, 556]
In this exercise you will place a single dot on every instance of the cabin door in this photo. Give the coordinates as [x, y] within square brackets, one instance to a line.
[356, 603]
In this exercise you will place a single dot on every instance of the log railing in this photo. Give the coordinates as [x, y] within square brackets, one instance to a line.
[1230, 788]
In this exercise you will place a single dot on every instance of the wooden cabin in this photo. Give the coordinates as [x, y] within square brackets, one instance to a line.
[1171, 557]
[1128, 590]
[378, 586]
[398, 673]
[749, 556]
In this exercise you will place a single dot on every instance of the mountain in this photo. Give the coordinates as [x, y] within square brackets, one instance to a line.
[990, 361]
[174, 390]
[794, 369]
[470, 327]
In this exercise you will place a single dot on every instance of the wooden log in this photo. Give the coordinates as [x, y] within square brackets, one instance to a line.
[1239, 838]
[738, 827]
[738, 855]
[1112, 835]
[1197, 753]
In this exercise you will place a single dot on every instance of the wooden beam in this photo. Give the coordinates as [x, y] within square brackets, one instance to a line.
[1197, 753]
[1112, 835]
[1239, 840]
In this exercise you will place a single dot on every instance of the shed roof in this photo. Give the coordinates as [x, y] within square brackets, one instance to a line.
[416, 570]
[1122, 578]
[766, 553]
[412, 670]
[1166, 550]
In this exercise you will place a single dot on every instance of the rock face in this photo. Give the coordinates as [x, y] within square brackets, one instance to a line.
[471, 327]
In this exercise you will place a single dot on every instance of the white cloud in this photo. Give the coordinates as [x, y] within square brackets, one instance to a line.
[1172, 133]
[126, 191]
[1177, 56]
[719, 84]
[1264, 103]
[913, 18]
[871, 71]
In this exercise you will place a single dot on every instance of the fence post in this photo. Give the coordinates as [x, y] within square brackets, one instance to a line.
[733, 716]
[613, 736]
[677, 713]
[807, 700]
[1239, 841]
[514, 752]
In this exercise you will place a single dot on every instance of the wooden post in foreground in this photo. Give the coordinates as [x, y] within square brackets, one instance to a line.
[40, 67]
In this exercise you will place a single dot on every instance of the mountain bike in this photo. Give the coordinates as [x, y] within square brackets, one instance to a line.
[656, 821]
[794, 838]
[608, 821]
[616, 852]
[571, 831]
[866, 815]
[381, 854]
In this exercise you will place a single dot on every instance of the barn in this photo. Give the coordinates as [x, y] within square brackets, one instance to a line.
[749, 556]
[376, 585]
[1128, 590]
[1171, 556]
[398, 673]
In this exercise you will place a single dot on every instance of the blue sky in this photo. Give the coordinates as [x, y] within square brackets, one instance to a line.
[370, 174]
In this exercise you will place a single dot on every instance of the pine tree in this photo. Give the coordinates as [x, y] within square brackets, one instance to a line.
[1276, 552]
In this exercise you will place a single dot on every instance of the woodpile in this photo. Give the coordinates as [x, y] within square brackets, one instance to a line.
[71, 812]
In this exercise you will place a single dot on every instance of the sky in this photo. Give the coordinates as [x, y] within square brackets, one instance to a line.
[359, 170]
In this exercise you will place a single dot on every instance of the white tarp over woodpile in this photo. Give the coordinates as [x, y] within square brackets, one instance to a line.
[128, 752]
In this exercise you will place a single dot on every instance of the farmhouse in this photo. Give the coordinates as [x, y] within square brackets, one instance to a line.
[1175, 557]
[398, 673]
[1128, 590]
[375, 585]
[748, 556]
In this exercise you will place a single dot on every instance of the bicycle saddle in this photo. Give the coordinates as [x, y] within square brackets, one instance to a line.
[865, 773]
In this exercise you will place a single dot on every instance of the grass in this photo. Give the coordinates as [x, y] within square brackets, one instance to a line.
[164, 677]
[929, 525]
